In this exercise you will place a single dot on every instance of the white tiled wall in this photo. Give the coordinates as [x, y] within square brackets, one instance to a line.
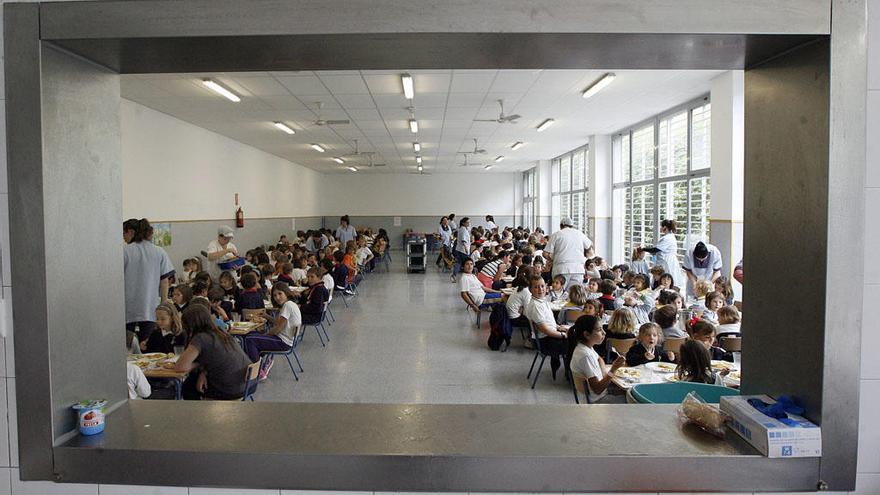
[869, 430]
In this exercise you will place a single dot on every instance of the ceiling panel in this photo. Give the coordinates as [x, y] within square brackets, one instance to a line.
[445, 104]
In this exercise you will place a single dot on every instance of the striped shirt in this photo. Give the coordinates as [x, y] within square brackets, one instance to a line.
[491, 268]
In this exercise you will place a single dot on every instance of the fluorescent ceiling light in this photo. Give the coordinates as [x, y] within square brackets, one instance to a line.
[408, 90]
[418, 159]
[547, 123]
[282, 126]
[317, 147]
[488, 167]
[413, 126]
[498, 159]
[338, 160]
[220, 90]
[517, 145]
[598, 85]
[417, 147]
[420, 168]
[353, 169]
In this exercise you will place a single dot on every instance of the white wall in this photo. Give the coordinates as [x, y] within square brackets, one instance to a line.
[172, 170]
[475, 195]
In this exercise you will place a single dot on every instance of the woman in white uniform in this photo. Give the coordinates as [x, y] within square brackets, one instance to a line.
[666, 252]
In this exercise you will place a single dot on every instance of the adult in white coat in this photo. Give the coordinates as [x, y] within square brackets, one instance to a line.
[568, 250]
[666, 252]
[701, 262]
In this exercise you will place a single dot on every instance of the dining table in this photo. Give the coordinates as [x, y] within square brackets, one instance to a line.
[160, 366]
[659, 372]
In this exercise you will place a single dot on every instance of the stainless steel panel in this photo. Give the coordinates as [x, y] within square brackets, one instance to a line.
[169, 18]
[392, 51]
[421, 447]
[27, 241]
[845, 252]
[82, 261]
[785, 228]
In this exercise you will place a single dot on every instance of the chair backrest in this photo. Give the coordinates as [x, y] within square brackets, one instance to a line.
[732, 343]
[251, 379]
[673, 345]
[535, 338]
[621, 345]
[248, 314]
[581, 385]
[571, 315]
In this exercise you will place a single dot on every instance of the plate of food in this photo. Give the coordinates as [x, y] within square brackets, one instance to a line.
[722, 365]
[672, 378]
[154, 355]
[733, 378]
[661, 367]
[628, 373]
[507, 278]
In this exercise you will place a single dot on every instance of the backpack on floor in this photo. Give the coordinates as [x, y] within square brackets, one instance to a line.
[500, 329]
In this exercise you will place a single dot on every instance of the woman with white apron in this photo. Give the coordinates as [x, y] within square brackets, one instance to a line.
[666, 252]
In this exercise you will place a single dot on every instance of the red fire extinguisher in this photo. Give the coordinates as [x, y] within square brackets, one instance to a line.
[239, 218]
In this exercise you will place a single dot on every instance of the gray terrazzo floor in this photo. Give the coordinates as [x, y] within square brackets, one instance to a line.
[407, 339]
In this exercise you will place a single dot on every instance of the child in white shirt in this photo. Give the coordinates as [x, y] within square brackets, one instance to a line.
[472, 292]
[138, 386]
[588, 332]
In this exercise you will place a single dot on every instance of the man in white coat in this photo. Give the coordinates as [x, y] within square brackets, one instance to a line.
[568, 250]
[701, 262]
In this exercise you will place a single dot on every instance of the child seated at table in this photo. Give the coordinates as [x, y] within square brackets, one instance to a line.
[665, 284]
[646, 350]
[592, 288]
[557, 289]
[181, 295]
[471, 290]
[577, 296]
[364, 256]
[168, 332]
[723, 285]
[282, 333]
[702, 288]
[639, 265]
[622, 325]
[219, 306]
[667, 318]
[551, 336]
[704, 332]
[714, 302]
[656, 271]
[264, 278]
[138, 386]
[298, 274]
[695, 364]
[200, 290]
[728, 320]
[191, 267]
[519, 300]
[286, 274]
[607, 288]
[313, 299]
[250, 297]
[670, 297]
[586, 363]
[340, 274]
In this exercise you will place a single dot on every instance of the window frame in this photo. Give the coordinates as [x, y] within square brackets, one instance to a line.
[557, 194]
[530, 198]
[688, 176]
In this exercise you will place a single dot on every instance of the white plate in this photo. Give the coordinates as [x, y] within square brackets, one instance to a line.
[660, 367]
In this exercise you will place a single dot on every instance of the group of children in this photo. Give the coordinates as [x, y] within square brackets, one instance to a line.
[635, 301]
[269, 274]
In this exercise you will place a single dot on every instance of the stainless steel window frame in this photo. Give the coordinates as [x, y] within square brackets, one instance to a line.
[432, 447]
[530, 183]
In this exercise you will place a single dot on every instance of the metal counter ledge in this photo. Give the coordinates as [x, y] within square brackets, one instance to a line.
[407, 447]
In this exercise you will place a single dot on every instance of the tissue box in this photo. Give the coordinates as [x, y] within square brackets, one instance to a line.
[770, 436]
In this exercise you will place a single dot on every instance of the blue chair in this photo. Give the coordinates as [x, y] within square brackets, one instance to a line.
[319, 327]
[271, 354]
[538, 352]
[675, 392]
[341, 293]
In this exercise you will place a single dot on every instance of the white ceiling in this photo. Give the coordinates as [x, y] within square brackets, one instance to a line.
[446, 102]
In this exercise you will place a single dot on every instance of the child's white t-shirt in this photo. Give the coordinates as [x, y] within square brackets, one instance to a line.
[362, 254]
[470, 284]
[585, 361]
[298, 275]
[329, 284]
[138, 386]
[290, 312]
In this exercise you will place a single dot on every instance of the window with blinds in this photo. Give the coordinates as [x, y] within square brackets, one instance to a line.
[529, 199]
[570, 175]
[661, 171]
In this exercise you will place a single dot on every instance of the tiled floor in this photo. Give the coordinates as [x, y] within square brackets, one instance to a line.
[407, 339]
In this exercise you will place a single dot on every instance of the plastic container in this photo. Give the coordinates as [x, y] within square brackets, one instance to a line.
[675, 392]
[91, 416]
[232, 264]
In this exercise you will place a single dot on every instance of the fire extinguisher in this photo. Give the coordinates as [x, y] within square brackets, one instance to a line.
[239, 218]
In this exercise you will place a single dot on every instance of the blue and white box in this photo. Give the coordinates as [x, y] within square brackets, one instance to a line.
[797, 437]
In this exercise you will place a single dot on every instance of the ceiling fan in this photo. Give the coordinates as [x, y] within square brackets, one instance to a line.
[477, 150]
[370, 164]
[322, 122]
[502, 119]
[358, 152]
[466, 163]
